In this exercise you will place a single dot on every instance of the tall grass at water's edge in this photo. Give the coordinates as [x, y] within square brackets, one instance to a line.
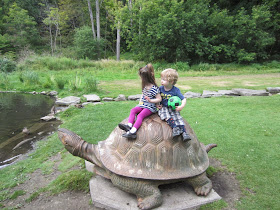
[246, 130]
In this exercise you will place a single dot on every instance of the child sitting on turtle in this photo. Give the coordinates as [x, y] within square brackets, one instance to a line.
[173, 118]
[147, 105]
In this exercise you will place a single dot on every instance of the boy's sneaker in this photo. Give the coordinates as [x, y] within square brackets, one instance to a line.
[176, 131]
[129, 135]
[124, 127]
[186, 137]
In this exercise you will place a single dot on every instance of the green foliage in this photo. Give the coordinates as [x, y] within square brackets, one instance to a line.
[17, 193]
[91, 84]
[71, 180]
[29, 78]
[60, 82]
[4, 80]
[86, 46]
[193, 31]
[20, 27]
[7, 65]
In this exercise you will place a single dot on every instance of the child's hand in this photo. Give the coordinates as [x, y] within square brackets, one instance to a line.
[147, 98]
[179, 108]
[159, 106]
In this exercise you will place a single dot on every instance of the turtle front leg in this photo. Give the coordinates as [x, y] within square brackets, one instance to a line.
[201, 184]
[147, 192]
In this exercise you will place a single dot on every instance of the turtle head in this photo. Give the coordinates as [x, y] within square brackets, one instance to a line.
[71, 141]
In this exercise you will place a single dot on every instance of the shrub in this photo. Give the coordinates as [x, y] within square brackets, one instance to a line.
[60, 82]
[91, 84]
[7, 65]
[29, 78]
[86, 46]
[4, 80]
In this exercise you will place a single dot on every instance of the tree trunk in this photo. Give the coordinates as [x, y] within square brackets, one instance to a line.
[118, 41]
[97, 27]
[97, 19]
[91, 19]
[50, 30]
[130, 10]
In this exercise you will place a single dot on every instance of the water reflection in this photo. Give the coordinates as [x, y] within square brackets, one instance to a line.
[16, 112]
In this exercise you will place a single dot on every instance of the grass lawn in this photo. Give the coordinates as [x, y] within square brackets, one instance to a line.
[246, 130]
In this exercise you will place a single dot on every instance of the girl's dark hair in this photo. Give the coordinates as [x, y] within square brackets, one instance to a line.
[147, 75]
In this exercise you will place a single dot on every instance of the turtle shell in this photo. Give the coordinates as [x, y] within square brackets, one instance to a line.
[154, 154]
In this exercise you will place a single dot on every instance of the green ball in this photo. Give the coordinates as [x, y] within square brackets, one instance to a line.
[174, 101]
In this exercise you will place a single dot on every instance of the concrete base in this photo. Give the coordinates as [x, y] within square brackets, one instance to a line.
[177, 196]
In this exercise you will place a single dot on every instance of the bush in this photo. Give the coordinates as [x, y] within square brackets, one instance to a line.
[60, 82]
[4, 80]
[86, 46]
[91, 84]
[29, 78]
[7, 65]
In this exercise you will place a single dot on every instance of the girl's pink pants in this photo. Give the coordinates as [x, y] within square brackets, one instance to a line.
[142, 113]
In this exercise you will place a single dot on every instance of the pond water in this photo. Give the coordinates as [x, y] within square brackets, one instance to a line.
[17, 111]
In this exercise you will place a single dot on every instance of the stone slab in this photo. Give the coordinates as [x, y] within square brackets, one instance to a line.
[178, 196]
[67, 101]
[92, 98]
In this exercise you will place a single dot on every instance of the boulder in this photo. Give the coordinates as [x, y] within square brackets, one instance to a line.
[190, 94]
[228, 93]
[67, 101]
[134, 97]
[52, 93]
[208, 94]
[107, 99]
[249, 92]
[92, 98]
[273, 90]
[48, 118]
[121, 97]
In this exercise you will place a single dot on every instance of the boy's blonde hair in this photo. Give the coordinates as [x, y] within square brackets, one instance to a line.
[171, 75]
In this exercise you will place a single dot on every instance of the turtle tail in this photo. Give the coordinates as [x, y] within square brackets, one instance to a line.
[76, 145]
[210, 146]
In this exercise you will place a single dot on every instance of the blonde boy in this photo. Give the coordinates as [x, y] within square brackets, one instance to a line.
[173, 118]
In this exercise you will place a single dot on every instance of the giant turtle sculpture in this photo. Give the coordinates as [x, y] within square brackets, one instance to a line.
[140, 166]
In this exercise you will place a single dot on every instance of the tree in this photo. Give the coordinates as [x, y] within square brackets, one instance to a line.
[20, 27]
[53, 21]
[91, 19]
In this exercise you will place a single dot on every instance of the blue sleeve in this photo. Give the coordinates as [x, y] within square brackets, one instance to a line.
[179, 94]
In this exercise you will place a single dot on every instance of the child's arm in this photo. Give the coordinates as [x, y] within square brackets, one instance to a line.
[179, 108]
[155, 100]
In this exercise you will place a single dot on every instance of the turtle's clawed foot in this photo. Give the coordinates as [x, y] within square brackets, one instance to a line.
[204, 189]
[149, 202]
[201, 184]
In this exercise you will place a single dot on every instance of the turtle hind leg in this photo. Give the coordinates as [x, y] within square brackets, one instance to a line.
[151, 199]
[201, 184]
[147, 192]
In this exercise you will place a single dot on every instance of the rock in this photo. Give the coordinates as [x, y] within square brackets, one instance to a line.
[208, 94]
[121, 97]
[52, 93]
[107, 99]
[92, 98]
[134, 97]
[190, 94]
[273, 90]
[249, 92]
[48, 118]
[86, 103]
[43, 93]
[67, 101]
[228, 93]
